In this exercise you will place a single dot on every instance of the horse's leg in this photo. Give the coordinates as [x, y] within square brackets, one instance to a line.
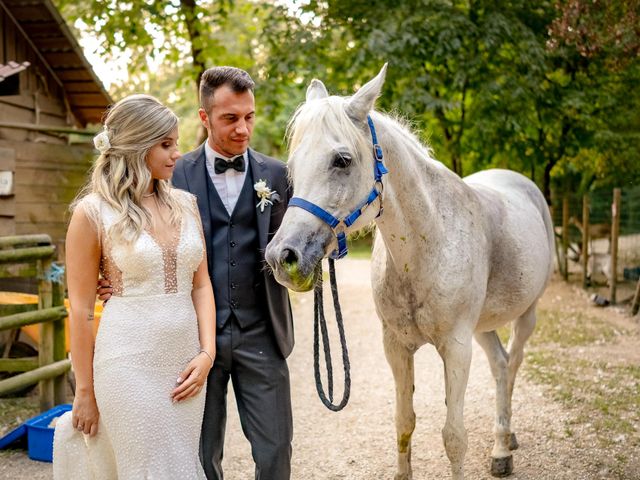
[401, 362]
[520, 332]
[501, 458]
[456, 354]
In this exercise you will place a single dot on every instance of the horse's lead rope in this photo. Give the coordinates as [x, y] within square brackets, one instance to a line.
[320, 323]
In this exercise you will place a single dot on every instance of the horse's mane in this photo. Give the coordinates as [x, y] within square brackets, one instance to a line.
[325, 118]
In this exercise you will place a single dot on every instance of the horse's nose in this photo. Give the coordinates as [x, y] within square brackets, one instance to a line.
[288, 257]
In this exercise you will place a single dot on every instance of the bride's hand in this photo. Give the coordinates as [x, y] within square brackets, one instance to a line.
[192, 379]
[84, 414]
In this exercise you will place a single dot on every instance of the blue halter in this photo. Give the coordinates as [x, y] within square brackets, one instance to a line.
[339, 226]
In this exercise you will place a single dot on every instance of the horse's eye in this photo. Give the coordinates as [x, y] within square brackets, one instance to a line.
[341, 160]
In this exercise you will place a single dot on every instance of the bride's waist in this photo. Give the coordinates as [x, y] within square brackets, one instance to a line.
[150, 297]
[171, 306]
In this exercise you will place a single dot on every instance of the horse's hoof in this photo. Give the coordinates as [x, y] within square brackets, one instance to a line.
[502, 467]
[513, 442]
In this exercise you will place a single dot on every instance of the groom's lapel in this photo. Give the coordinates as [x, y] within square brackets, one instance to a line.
[259, 171]
[196, 173]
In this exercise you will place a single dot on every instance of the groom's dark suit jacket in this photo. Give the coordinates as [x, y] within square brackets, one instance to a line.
[191, 175]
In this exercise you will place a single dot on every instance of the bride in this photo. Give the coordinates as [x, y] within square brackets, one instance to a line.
[140, 396]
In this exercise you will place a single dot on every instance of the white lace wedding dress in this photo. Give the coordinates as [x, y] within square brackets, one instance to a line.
[148, 333]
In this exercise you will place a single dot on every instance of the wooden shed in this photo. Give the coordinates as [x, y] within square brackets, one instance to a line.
[48, 96]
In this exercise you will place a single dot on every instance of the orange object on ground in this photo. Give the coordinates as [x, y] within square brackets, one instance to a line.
[33, 331]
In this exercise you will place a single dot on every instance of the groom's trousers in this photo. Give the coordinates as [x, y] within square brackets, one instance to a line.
[260, 377]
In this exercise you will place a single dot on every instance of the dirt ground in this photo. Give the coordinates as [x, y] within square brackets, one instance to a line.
[359, 442]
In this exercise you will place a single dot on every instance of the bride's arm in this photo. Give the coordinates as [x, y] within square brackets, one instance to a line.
[205, 306]
[83, 263]
[192, 379]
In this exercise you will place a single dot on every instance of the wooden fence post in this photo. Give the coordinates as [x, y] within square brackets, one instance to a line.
[565, 237]
[585, 240]
[615, 231]
[59, 342]
[45, 349]
[31, 256]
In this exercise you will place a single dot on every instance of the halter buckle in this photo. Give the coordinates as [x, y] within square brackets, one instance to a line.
[377, 152]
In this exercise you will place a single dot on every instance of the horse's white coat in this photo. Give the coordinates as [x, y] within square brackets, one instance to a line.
[452, 258]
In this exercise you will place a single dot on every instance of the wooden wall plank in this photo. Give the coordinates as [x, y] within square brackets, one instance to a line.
[10, 35]
[63, 59]
[48, 153]
[40, 212]
[7, 226]
[87, 99]
[57, 119]
[26, 101]
[81, 86]
[7, 207]
[66, 74]
[12, 113]
[57, 230]
[7, 159]
[52, 178]
[39, 193]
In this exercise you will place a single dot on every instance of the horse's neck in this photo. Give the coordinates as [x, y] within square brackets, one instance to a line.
[415, 191]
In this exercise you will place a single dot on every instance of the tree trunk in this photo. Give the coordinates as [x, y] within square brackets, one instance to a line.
[195, 37]
[456, 163]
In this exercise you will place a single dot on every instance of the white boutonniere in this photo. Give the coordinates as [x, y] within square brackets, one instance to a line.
[101, 141]
[265, 194]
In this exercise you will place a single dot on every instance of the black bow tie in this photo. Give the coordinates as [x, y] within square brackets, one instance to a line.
[221, 165]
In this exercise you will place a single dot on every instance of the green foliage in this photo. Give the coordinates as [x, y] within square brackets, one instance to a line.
[546, 88]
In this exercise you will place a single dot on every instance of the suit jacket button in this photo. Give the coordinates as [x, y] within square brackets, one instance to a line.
[233, 244]
[233, 286]
[233, 263]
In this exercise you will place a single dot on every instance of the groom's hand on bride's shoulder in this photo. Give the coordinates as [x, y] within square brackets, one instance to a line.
[104, 290]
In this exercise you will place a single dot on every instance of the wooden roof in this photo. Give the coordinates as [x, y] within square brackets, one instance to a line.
[47, 32]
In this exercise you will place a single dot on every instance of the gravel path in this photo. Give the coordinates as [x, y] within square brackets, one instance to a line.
[359, 442]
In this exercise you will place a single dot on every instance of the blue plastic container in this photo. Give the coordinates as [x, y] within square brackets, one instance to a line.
[13, 436]
[40, 434]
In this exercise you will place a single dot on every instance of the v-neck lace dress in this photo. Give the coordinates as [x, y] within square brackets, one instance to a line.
[148, 334]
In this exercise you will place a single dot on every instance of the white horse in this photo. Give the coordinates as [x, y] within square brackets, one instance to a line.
[452, 259]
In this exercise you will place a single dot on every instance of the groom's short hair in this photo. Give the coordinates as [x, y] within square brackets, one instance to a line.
[213, 78]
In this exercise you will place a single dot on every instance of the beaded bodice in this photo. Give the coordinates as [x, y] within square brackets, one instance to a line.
[151, 265]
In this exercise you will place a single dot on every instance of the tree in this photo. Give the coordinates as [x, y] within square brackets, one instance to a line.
[170, 44]
[495, 87]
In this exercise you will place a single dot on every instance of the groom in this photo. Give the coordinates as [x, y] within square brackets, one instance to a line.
[254, 324]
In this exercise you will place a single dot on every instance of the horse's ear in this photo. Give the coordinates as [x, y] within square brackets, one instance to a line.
[359, 106]
[316, 90]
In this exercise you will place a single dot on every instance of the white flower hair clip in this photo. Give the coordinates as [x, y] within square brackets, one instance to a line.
[101, 141]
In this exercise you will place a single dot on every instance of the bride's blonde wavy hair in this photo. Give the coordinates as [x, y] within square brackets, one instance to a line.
[120, 175]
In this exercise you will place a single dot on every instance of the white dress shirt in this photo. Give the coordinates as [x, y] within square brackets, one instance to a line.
[228, 184]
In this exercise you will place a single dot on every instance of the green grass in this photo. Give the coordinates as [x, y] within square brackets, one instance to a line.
[570, 329]
[602, 394]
